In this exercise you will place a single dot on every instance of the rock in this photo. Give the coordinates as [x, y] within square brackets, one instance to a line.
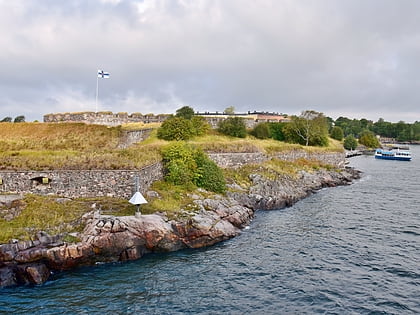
[37, 274]
[7, 276]
[152, 194]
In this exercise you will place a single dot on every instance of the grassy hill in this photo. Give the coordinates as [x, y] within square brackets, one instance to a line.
[43, 146]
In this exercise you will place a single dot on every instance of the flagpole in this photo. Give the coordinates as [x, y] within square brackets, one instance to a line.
[97, 89]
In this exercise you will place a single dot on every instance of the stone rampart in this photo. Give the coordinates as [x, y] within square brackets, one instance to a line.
[80, 183]
[233, 160]
[104, 118]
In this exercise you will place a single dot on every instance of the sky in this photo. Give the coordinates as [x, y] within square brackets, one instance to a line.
[352, 58]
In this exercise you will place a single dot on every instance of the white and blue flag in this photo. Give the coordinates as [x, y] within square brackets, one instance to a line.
[103, 74]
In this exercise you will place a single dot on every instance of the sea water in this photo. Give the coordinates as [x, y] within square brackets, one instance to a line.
[345, 250]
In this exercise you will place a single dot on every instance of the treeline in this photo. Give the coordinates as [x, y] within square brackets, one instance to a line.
[17, 119]
[400, 131]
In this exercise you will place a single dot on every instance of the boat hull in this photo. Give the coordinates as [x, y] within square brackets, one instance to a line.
[396, 158]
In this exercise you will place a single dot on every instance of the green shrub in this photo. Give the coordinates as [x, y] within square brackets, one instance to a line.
[276, 130]
[368, 139]
[176, 128]
[188, 166]
[233, 126]
[337, 133]
[350, 142]
[200, 125]
[261, 131]
[208, 176]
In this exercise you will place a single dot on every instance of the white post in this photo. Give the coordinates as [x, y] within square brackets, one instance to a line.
[97, 89]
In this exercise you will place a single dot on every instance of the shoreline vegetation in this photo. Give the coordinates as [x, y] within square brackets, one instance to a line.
[45, 234]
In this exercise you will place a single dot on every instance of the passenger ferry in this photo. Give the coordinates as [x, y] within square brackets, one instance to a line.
[394, 153]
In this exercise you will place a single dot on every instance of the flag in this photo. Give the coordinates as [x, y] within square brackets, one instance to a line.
[103, 74]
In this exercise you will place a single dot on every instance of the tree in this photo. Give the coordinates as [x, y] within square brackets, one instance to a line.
[261, 131]
[19, 119]
[233, 126]
[368, 139]
[337, 133]
[276, 130]
[310, 128]
[6, 119]
[229, 110]
[350, 143]
[185, 112]
[176, 128]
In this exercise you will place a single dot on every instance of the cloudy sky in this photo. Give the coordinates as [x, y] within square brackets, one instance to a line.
[353, 58]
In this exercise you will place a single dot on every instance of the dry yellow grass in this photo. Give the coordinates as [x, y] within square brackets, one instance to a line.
[43, 146]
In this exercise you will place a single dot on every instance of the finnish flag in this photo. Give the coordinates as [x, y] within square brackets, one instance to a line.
[103, 74]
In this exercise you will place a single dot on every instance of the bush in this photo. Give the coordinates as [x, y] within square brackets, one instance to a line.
[208, 176]
[350, 143]
[261, 131]
[176, 128]
[200, 125]
[337, 133]
[368, 139]
[188, 166]
[276, 130]
[233, 126]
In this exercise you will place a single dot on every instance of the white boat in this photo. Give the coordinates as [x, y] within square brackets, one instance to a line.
[394, 153]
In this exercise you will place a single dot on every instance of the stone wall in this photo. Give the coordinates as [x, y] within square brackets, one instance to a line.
[117, 119]
[233, 160]
[130, 137]
[81, 183]
[104, 118]
[121, 183]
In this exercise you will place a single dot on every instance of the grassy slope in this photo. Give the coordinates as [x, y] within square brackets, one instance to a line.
[41, 146]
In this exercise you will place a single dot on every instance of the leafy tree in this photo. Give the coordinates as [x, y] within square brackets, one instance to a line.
[185, 112]
[176, 128]
[261, 131]
[276, 130]
[310, 128]
[6, 119]
[337, 133]
[233, 126]
[229, 110]
[19, 119]
[368, 139]
[350, 143]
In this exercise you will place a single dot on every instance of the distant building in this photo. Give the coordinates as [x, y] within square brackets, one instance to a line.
[250, 118]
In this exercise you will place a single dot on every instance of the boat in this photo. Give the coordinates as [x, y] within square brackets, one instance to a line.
[395, 153]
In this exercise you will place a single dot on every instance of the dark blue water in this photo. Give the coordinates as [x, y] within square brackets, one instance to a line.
[344, 250]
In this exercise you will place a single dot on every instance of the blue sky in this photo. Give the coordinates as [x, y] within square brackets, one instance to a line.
[353, 58]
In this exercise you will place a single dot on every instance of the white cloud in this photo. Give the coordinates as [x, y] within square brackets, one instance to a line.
[282, 55]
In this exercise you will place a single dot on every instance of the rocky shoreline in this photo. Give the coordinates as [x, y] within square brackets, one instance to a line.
[112, 239]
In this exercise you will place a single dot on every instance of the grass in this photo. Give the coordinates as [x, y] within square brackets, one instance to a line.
[43, 146]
